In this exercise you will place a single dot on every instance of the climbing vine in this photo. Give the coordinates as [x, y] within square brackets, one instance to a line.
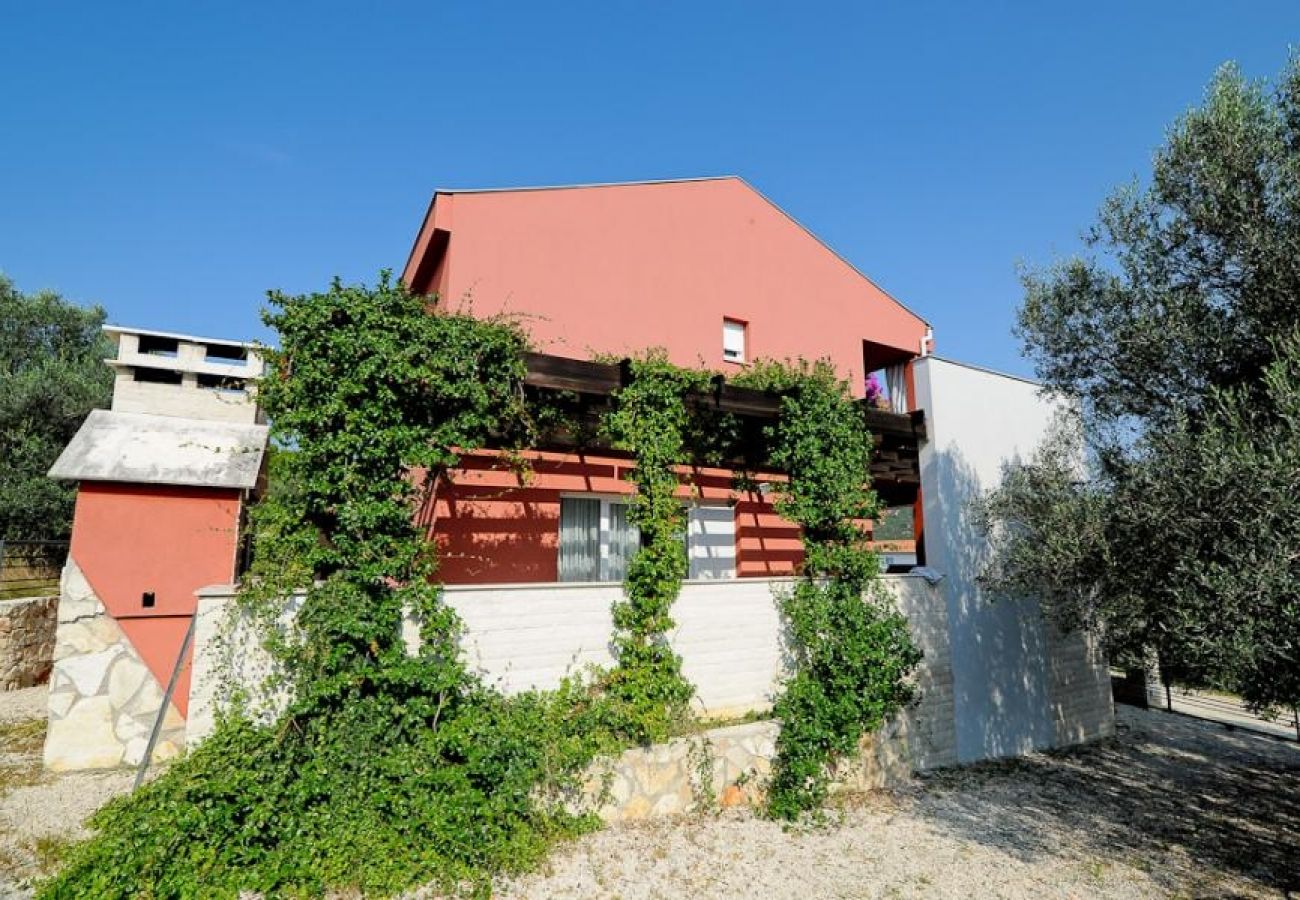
[387, 769]
[651, 419]
[852, 650]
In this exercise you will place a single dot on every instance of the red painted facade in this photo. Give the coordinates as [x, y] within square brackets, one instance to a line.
[129, 539]
[617, 269]
[491, 529]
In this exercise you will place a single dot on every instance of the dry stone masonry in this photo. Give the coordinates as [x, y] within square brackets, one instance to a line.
[26, 641]
[729, 766]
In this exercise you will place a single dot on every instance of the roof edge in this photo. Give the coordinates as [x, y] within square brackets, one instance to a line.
[582, 185]
[840, 256]
[193, 338]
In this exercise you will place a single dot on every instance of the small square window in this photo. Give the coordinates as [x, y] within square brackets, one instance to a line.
[733, 340]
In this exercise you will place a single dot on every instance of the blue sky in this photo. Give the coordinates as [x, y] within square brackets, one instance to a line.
[173, 162]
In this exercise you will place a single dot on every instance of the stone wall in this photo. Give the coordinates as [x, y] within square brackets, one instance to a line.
[1078, 678]
[733, 650]
[520, 637]
[726, 767]
[26, 641]
[103, 698]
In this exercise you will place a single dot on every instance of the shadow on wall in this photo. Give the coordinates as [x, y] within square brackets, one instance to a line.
[494, 535]
[1167, 791]
[1000, 654]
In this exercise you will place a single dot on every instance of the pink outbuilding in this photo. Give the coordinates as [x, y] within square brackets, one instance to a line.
[164, 478]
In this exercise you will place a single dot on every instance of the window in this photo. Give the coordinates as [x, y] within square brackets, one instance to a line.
[733, 340]
[218, 383]
[711, 541]
[156, 376]
[155, 345]
[597, 540]
[225, 353]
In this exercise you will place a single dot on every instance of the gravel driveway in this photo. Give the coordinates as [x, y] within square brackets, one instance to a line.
[1172, 807]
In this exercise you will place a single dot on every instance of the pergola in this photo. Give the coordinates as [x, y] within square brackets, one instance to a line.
[895, 467]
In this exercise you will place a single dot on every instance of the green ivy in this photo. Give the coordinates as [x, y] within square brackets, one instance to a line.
[387, 770]
[652, 419]
[852, 651]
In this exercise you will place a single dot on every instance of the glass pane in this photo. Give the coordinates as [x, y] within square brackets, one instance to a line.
[579, 539]
[624, 539]
[733, 340]
[712, 545]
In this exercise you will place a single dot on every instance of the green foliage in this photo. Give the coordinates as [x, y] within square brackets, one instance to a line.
[52, 374]
[380, 798]
[1177, 539]
[1048, 530]
[852, 651]
[1247, 464]
[387, 769]
[651, 419]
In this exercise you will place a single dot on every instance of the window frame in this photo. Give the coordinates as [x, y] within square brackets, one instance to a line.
[604, 540]
[744, 340]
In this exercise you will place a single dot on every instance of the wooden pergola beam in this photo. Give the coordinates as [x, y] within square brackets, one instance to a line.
[579, 376]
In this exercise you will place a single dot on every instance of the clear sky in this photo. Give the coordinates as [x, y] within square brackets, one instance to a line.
[173, 161]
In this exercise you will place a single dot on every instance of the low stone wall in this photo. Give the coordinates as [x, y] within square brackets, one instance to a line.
[734, 651]
[724, 767]
[729, 634]
[26, 641]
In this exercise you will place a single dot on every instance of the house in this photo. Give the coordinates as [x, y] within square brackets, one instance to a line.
[717, 276]
[709, 270]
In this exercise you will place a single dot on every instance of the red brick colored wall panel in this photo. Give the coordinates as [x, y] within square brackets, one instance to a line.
[130, 539]
[491, 528]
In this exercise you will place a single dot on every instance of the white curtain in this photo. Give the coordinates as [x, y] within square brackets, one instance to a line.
[624, 539]
[896, 380]
[579, 539]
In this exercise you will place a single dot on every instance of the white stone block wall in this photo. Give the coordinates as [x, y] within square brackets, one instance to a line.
[729, 634]
[26, 641]
[1082, 706]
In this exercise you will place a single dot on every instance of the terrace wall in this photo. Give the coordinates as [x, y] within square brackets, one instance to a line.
[734, 650]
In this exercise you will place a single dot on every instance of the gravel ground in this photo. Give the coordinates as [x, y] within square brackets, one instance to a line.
[1172, 807]
[39, 812]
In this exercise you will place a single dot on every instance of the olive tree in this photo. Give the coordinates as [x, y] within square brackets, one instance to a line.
[1175, 333]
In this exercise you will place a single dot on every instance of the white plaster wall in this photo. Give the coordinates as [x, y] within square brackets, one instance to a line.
[1011, 674]
[728, 634]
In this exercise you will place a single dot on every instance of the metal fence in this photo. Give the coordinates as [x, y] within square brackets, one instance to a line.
[1135, 688]
[30, 568]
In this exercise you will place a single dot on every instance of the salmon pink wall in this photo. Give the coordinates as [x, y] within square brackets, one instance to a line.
[490, 529]
[616, 269]
[129, 538]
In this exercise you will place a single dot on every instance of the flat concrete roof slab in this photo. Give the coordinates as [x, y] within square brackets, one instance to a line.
[145, 449]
